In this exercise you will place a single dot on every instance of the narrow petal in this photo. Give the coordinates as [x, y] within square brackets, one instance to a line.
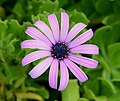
[35, 44]
[84, 61]
[64, 26]
[36, 34]
[54, 26]
[45, 29]
[74, 31]
[41, 68]
[81, 39]
[79, 74]
[64, 76]
[35, 56]
[53, 74]
[85, 49]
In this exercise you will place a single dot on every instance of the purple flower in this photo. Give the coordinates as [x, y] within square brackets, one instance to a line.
[61, 49]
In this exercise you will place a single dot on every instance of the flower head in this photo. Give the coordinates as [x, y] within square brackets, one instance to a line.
[57, 44]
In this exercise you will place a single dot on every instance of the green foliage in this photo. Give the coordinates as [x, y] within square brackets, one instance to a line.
[103, 16]
[71, 89]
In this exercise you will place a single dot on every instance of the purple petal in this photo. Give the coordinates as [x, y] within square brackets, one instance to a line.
[85, 49]
[74, 31]
[81, 39]
[35, 44]
[53, 74]
[80, 75]
[86, 62]
[64, 26]
[64, 76]
[54, 26]
[45, 29]
[36, 34]
[35, 56]
[41, 68]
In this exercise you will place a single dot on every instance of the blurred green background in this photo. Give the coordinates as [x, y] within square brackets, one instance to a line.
[103, 16]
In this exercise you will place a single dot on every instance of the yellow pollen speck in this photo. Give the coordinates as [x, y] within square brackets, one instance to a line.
[52, 54]
[59, 58]
[65, 56]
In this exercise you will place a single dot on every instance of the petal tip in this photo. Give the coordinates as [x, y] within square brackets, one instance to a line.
[80, 23]
[21, 45]
[53, 87]
[23, 64]
[37, 22]
[95, 64]
[32, 75]
[97, 50]
[51, 15]
[86, 79]
[61, 89]
[91, 31]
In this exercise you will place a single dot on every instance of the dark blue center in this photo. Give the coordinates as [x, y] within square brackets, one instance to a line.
[59, 51]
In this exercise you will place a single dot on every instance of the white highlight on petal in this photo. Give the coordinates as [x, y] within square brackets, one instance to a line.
[41, 68]
[64, 77]
[45, 29]
[53, 74]
[54, 26]
[81, 39]
[85, 49]
[84, 61]
[64, 26]
[35, 56]
[74, 31]
[79, 74]
[36, 34]
[35, 44]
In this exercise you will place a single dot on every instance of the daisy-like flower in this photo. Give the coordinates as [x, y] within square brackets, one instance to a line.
[57, 44]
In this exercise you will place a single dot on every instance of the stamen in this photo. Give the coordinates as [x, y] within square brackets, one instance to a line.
[68, 52]
[65, 56]
[52, 54]
[58, 42]
[60, 50]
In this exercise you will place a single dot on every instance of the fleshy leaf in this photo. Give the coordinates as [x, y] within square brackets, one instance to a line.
[72, 88]
[114, 55]
[78, 17]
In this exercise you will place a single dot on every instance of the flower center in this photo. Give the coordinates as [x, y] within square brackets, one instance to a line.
[60, 51]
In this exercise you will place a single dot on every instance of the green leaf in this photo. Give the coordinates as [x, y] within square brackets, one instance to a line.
[107, 88]
[114, 55]
[94, 82]
[19, 8]
[110, 19]
[107, 35]
[89, 94]
[34, 6]
[101, 98]
[49, 6]
[3, 79]
[19, 81]
[63, 3]
[107, 7]
[115, 97]
[83, 99]
[29, 95]
[87, 7]
[78, 17]
[71, 93]
[40, 90]
[2, 12]
[115, 16]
